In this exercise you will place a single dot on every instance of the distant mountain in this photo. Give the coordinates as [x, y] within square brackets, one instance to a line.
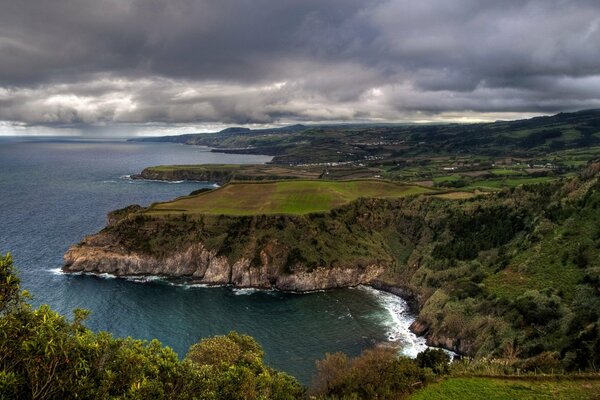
[191, 138]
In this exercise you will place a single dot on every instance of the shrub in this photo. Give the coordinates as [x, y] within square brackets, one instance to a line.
[378, 373]
[435, 359]
[43, 355]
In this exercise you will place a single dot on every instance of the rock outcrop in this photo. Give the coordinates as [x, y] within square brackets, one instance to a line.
[437, 339]
[96, 254]
[216, 176]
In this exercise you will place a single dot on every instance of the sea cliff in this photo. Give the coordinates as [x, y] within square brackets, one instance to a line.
[202, 175]
[197, 264]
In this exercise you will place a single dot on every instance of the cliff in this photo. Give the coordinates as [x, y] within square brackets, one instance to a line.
[479, 272]
[197, 264]
[203, 175]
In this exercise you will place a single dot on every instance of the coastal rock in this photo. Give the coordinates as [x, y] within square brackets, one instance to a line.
[196, 263]
[216, 176]
[421, 327]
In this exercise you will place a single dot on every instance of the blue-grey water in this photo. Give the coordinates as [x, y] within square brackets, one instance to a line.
[54, 192]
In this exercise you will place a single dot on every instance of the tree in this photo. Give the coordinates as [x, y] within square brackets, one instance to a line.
[44, 355]
[377, 373]
[10, 292]
[236, 363]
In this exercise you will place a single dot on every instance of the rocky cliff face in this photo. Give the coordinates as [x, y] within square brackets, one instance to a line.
[97, 254]
[219, 177]
[438, 339]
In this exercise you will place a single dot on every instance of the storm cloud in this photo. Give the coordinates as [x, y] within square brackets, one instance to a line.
[83, 64]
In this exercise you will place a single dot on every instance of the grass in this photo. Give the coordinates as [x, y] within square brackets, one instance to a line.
[501, 389]
[457, 195]
[507, 183]
[507, 171]
[198, 167]
[446, 178]
[283, 197]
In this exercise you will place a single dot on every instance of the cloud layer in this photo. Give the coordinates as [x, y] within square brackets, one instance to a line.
[83, 64]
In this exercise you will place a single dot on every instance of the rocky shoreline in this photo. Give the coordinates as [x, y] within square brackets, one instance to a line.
[197, 265]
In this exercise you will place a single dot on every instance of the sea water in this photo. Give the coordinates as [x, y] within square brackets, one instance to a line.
[54, 192]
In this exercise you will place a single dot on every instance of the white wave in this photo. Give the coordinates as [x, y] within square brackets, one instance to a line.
[398, 322]
[143, 278]
[57, 271]
[244, 291]
[109, 181]
[192, 285]
[247, 291]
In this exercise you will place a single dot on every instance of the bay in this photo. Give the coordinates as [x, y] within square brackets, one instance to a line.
[53, 192]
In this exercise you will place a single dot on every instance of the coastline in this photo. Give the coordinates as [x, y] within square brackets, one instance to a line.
[402, 309]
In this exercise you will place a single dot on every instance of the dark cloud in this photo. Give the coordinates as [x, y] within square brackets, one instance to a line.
[77, 63]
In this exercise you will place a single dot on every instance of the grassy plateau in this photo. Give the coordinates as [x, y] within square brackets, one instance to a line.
[284, 197]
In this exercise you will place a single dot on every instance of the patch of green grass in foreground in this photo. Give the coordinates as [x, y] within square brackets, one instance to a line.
[284, 197]
[500, 389]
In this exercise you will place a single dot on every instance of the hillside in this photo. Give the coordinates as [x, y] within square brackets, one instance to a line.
[515, 270]
[301, 144]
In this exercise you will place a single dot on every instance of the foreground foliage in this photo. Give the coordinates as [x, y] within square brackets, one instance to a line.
[378, 373]
[43, 355]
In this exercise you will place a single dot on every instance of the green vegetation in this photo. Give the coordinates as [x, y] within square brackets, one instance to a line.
[509, 388]
[376, 374]
[501, 259]
[485, 157]
[507, 272]
[285, 197]
[508, 183]
[43, 355]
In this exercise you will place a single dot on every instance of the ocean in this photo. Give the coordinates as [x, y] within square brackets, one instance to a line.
[53, 192]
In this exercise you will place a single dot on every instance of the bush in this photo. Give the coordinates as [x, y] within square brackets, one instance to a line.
[547, 362]
[538, 308]
[45, 356]
[378, 373]
[435, 359]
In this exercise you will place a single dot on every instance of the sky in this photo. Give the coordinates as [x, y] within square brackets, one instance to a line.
[148, 67]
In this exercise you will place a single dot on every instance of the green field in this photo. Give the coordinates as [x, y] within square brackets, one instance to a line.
[495, 184]
[508, 389]
[283, 197]
[507, 171]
